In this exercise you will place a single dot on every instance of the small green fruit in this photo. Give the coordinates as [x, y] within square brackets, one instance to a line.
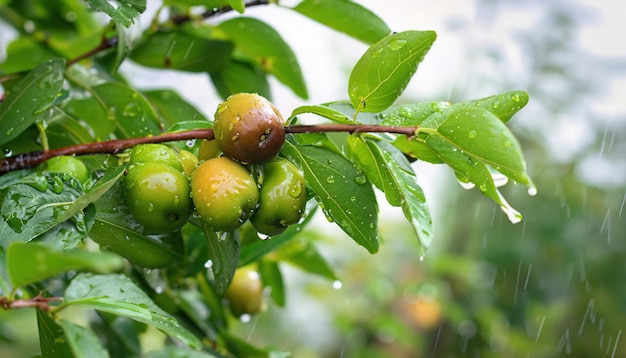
[69, 165]
[157, 196]
[245, 293]
[282, 197]
[155, 153]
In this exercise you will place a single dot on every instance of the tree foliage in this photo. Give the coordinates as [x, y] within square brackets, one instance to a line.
[62, 88]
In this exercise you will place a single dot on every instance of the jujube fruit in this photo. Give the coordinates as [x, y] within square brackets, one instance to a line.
[282, 197]
[248, 128]
[245, 293]
[157, 196]
[155, 153]
[69, 165]
[224, 193]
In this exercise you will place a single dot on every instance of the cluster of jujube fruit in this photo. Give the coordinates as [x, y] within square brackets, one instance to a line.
[162, 186]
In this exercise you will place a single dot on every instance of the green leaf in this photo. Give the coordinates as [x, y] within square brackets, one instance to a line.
[413, 114]
[342, 191]
[172, 108]
[123, 11]
[413, 201]
[82, 341]
[118, 295]
[29, 100]
[503, 105]
[384, 71]
[224, 255]
[5, 287]
[141, 250]
[52, 340]
[259, 248]
[239, 76]
[258, 42]
[30, 206]
[273, 278]
[469, 170]
[127, 38]
[323, 111]
[347, 17]
[30, 263]
[482, 136]
[25, 53]
[305, 256]
[237, 5]
[182, 51]
[200, 312]
[130, 110]
[368, 158]
[240, 348]
[175, 352]
[104, 184]
[116, 107]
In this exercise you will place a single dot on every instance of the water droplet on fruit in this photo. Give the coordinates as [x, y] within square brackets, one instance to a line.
[295, 190]
[507, 144]
[472, 134]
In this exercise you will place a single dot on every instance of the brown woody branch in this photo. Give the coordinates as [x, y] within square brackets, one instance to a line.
[32, 159]
[39, 301]
[179, 19]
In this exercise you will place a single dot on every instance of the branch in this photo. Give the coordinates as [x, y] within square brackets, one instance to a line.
[42, 303]
[104, 44]
[32, 159]
[179, 19]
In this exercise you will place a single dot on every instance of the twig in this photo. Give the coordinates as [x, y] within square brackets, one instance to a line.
[39, 301]
[104, 44]
[179, 19]
[32, 159]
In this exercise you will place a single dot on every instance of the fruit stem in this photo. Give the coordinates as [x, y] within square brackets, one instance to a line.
[32, 159]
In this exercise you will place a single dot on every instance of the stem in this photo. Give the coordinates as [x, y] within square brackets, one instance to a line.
[104, 44]
[32, 159]
[42, 302]
[179, 19]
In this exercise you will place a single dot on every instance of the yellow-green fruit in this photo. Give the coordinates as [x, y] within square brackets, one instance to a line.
[224, 193]
[245, 293]
[281, 199]
[189, 162]
[157, 196]
[155, 153]
[69, 165]
[248, 128]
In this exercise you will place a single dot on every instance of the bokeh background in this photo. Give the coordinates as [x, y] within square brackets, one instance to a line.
[552, 285]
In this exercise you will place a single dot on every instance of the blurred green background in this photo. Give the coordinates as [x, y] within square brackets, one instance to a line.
[551, 285]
